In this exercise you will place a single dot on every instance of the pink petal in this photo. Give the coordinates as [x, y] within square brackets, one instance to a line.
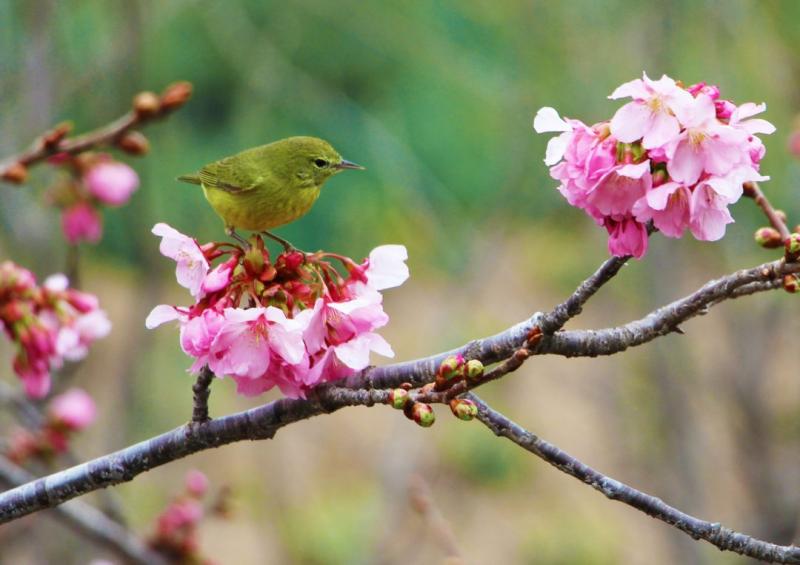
[548, 120]
[686, 164]
[387, 267]
[631, 122]
[663, 129]
[161, 314]
[635, 89]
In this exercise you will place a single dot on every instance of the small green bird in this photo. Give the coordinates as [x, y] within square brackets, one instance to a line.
[271, 185]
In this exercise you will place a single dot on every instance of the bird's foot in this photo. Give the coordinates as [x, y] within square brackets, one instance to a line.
[287, 247]
[232, 233]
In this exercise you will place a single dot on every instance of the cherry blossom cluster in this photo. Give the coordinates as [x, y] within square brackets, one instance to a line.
[48, 324]
[67, 414]
[176, 532]
[96, 180]
[675, 156]
[291, 323]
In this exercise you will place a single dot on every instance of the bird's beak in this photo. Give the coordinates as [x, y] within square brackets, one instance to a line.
[345, 164]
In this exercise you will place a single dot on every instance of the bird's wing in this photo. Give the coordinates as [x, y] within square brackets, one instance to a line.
[229, 175]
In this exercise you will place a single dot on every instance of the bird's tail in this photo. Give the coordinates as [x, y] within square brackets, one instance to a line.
[191, 179]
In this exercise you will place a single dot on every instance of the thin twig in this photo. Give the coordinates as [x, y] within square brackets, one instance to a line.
[752, 190]
[55, 141]
[714, 533]
[89, 522]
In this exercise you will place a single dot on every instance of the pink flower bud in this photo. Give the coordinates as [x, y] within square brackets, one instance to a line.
[768, 238]
[463, 409]
[423, 414]
[398, 398]
[196, 483]
[220, 276]
[82, 301]
[724, 109]
[81, 222]
[111, 182]
[73, 409]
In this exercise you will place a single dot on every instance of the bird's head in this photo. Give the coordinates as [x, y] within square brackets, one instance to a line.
[312, 161]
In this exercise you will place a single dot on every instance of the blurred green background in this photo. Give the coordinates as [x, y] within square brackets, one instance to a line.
[436, 98]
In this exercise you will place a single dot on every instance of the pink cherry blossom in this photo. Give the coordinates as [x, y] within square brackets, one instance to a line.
[74, 339]
[81, 222]
[249, 340]
[198, 334]
[711, 198]
[617, 191]
[667, 206]
[74, 409]
[547, 120]
[192, 265]
[111, 182]
[651, 115]
[587, 159]
[706, 145]
[626, 237]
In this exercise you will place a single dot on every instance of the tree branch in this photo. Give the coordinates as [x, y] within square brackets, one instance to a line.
[264, 421]
[714, 533]
[89, 522]
[147, 107]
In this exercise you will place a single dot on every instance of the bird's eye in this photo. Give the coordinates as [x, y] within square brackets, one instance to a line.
[321, 163]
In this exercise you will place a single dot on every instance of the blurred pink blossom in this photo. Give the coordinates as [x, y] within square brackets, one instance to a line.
[111, 182]
[81, 222]
[73, 409]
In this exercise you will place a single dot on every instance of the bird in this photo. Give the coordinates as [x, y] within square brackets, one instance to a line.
[269, 186]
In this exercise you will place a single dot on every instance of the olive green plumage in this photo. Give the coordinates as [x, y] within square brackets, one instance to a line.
[271, 185]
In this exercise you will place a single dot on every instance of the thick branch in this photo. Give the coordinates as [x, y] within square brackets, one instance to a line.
[714, 533]
[264, 421]
[89, 522]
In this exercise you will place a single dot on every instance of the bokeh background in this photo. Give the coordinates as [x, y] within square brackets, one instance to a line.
[436, 99]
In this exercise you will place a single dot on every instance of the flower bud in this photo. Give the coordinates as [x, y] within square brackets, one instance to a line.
[791, 284]
[463, 409]
[134, 142]
[196, 483]
[291, 260]
[398, 398]
[176, 95]
[473, 370]
[768, 238]
[423, 414]
[793, 245]
[146, 104]
[53, 137]
[16, 173]
[781, 216]
[451, 367]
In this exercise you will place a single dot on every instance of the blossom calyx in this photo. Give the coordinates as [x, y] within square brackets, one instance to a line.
[398, 398]
[463, 409]
[423, 414]
[768, 237]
